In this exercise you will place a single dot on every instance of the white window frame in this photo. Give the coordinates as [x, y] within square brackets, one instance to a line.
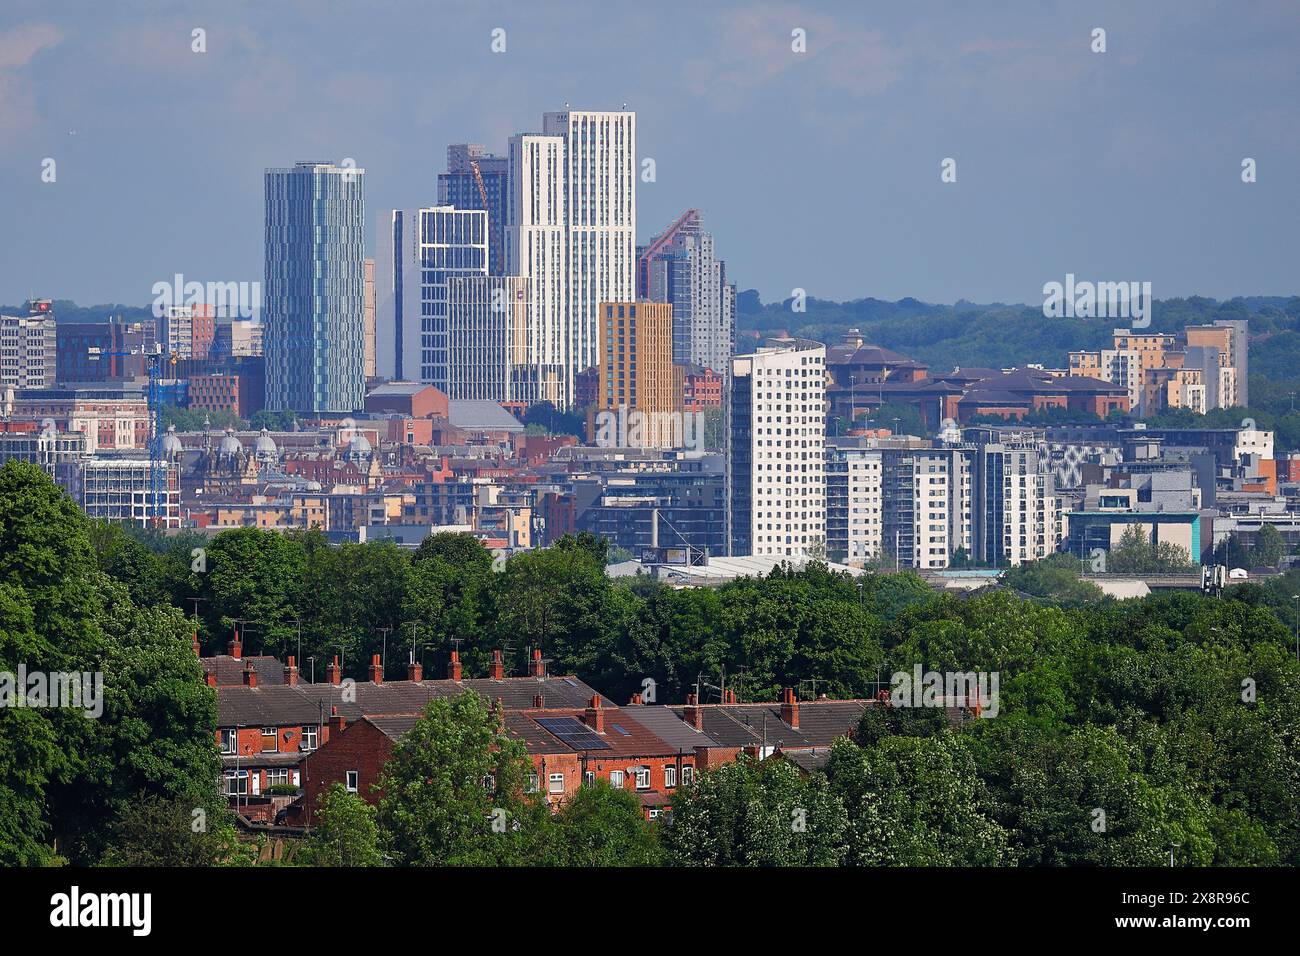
[642, 776]
[229, 741]
[352, 781]
[616, 778]
[670, 776]
[555, 783]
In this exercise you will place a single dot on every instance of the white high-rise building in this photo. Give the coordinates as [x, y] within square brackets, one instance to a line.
[419, 251]
[598, 177]
[537, 247]
[776, 426]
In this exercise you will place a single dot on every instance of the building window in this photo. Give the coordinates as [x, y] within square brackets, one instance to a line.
[589, 777]
[532, 783]
[642, 778]
[555, 783]
[228, 741]
[670, 777]
[277, 777]
[688, 776]
[270, 740]
[236, 782]
[353, 781]
[309, 738]
[616, 779]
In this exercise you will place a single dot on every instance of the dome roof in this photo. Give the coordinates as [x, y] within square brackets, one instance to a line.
[264, 447]
[359, 447]
[171, 445]
[230, 446]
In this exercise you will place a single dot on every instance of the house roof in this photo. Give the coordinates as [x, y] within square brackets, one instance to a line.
[230, 670]
[821, 722]
[309, 703]
[474, 415]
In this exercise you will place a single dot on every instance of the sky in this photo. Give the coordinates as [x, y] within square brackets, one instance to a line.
[817, 170]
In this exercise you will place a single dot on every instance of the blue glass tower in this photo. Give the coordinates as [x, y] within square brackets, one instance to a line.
[314, 289]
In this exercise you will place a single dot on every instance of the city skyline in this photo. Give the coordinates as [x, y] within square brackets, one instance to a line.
[1055, 145]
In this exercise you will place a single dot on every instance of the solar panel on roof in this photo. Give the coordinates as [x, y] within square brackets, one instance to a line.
[620, 730]
[573, 732]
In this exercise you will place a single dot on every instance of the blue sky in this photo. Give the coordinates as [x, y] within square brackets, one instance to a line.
[817, 170]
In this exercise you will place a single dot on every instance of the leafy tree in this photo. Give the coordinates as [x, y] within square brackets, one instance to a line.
[1054, 578]
[916, 801]
[1136, 554]
[1270, 547]
[603, 826]
[454, 792]
[345, 833]
[158, 831]
[757, 813]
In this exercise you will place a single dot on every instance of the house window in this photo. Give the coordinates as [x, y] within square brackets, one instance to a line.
[670, 777]
[688, 776]
[555, 783]
[353, 781]
[277, 777]
[236, 782]
[532, 783]
[270, 740]
[589, 777]
[653, 813]
[642, 778]
[228, 741]
[309, 738]
[616, 779]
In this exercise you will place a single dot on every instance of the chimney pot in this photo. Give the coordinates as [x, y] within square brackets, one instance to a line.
[453, 668]
[236, 647]
[250, 675]
[692, 713]
[415, 672]
[536, 666]
[538, 703]
[497, 669]
[333, 672]
[198, 651]
[594, 716]
[790, 708]
[376, 670]
[291, 672]
[636, 700]
[337, 722]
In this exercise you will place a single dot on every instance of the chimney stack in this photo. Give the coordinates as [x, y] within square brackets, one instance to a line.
[210, 678]
[538, 703]
[790, 708]
[236, 647]
[415, 672]
[198, 652]
[635, 701]
[337, 722]
[497, 669]
[594, 717]
[537, 666]
[250, 675]
[729, 697]
[333, 673]
[692, 713]
[453, 669]
[376, 670]
[291, 672]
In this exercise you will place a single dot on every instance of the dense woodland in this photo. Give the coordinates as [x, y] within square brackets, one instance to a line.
[1169, 720]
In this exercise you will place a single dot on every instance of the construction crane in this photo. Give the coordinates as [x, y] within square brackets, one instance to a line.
[482, 195]
[157, 512]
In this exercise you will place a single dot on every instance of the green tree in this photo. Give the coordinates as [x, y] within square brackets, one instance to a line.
[1269, 549]
[916, 801]
[454, 792]
[757, 813]
[172, 831]
[345, 833]
[603, 826]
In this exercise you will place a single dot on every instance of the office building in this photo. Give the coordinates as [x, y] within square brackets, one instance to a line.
[420, 251]
[314, 309]
[639, 395]
[28, 350]
[679, 266]
[476, 179]
[776, 492]
[493, 351]
[597, 175]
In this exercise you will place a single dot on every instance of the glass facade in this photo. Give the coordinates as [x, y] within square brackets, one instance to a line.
[314, 289]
